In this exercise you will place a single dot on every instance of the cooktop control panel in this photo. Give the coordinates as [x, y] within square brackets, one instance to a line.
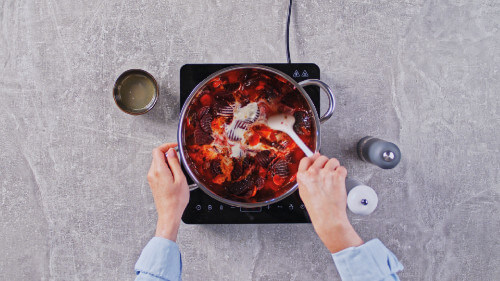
[203, 209]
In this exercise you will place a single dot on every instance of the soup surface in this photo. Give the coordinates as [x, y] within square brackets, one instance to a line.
[228, 144]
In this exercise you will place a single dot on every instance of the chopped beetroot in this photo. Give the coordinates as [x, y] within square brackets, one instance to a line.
[232, 87]
[224, 95]
[206, 123]
[215, 167]
[263, 158]
[201, 137]
[288, 99]
[222, 108]
[259, 183]
[303, 122]
[269, 93]
[204, 110]
[240, 187]
[237, 170]
[280, 168]
[245, 164]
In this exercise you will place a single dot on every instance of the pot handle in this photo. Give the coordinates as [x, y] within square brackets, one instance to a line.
[192, 186]
[329, 94]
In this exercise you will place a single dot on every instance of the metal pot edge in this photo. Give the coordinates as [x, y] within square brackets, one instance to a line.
[181, 125]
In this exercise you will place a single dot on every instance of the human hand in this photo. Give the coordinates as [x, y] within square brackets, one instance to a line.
[170, 190]
[322, 189]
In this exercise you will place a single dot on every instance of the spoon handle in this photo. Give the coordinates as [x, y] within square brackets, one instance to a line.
[300, 143]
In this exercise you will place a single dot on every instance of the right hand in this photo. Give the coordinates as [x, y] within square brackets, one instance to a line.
[322, 189]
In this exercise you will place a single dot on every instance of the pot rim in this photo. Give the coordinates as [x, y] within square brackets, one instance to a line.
[180, 131]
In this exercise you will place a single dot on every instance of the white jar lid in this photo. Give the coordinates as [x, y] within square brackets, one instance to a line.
[362, 200]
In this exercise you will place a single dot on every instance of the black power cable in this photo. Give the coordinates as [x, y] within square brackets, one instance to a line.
[288, 33]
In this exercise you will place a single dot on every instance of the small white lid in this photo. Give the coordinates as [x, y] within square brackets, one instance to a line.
[362, 200]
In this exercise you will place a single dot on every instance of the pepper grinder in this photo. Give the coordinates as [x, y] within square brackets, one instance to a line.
[379, 152]
[361, 199]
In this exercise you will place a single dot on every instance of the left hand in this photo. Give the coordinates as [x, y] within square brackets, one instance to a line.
[170, 190]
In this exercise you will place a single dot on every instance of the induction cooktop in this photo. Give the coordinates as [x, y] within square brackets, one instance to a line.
[203, 209]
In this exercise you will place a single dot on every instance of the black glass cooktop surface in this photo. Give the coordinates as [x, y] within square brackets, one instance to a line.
[203, 209]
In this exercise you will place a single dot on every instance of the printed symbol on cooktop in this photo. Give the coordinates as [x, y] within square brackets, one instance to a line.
[221, 207]
[279, 206]
[302, 206]
[296, 73]
[304, 74]
[290, 207]
[198, 207]
[210, 207]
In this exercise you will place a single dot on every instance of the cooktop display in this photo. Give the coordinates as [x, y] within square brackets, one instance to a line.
[203, 209]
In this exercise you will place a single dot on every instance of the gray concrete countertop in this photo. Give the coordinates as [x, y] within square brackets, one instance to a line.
[75, 203]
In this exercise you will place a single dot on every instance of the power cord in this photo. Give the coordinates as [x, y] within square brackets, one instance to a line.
[288, 33]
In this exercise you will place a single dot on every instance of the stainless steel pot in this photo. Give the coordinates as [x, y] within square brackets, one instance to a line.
[318, 120]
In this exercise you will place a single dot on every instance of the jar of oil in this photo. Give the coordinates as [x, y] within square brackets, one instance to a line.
[135, 91]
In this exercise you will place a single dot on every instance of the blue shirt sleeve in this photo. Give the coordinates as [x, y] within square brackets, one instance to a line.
[160, 260]
[370, 261]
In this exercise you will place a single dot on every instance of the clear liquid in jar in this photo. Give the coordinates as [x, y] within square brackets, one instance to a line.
[136, 92]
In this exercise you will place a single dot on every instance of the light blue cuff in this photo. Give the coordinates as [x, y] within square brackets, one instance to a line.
[370, 261]
[159, 260]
